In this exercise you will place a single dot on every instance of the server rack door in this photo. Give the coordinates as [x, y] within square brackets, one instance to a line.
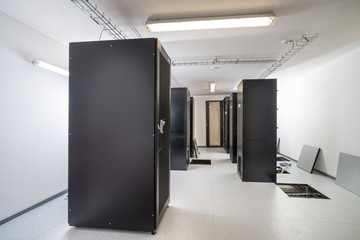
[111, 139]
[233, 127]
[163, 117]
[180, 131]
[240, 107]
[192, 149]
[188, 122]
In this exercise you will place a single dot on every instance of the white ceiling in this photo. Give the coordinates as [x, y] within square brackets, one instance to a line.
[336, 21]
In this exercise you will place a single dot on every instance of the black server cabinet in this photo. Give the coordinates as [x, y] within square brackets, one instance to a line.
[233, 127]
[119, 134]
[180, 128]
[226, 104]
[192, 147]
[257, 130]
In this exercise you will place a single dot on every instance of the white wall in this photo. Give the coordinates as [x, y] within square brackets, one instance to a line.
[33, 118]
[200, 116]
[319, 104]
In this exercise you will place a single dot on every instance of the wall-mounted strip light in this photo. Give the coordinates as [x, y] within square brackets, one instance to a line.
[212, 87]
[260, 20]
[50, 67]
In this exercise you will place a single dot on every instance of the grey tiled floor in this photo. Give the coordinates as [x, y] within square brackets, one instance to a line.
[211, 202]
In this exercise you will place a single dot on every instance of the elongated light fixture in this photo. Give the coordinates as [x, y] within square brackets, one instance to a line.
[259, 20]
[50, 67]
[212, 87]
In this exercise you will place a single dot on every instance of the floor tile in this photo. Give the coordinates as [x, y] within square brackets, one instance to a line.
[211, 202]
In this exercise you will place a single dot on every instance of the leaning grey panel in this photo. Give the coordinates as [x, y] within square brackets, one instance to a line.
[308, 158]
[348, 173]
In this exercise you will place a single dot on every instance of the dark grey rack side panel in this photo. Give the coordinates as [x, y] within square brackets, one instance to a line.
[233, 127]
[257, 130]
[180, 128]
[192, 129]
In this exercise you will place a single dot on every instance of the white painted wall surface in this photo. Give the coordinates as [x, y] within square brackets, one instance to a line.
[319, 104]
[33, 118]
[200, 116]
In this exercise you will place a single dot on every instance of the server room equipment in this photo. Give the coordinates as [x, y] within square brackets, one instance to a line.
[257, 130]
[119, 134]
[233, 127]
[226, 106]
[192, 129]
[180, 128]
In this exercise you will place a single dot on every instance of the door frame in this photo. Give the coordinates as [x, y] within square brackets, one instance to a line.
[207, 122]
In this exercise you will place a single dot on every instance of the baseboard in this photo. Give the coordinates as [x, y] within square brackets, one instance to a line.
[32, 207]
[321, 172]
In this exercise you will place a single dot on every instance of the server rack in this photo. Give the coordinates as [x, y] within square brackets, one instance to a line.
[119, 134]
[180, 128]
[192, 147]
[257, 130]
[233, 127]
[226, 105]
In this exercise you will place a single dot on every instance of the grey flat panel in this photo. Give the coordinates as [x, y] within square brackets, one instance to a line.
[308, 158]
[348, 173]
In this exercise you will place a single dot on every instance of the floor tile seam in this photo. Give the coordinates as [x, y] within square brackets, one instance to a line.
[53, 227]
[273, 235]
[37, 236]
[14, 239]
[190, 214]
[337, 222]
[246, 219]
[212, 204]
[307, 219]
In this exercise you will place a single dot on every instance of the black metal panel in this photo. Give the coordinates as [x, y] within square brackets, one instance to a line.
[179, 110]
[112, 171]
[163, 96]
[226, 105]
[233, 127]
[257, 130]
[192, 130]
[188, 139]
[258, 165]
[180, 128]
[178, 149]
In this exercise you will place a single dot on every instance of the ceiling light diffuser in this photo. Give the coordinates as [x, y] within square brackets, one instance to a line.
[212, 87]
[238, 21]
[50, 67]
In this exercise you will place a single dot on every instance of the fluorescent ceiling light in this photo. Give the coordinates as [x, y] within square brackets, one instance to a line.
[212, 87]
[211, 23]
[50, 67]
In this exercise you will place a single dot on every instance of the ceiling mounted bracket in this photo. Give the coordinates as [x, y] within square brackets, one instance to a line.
[291, 52]
[104, 22]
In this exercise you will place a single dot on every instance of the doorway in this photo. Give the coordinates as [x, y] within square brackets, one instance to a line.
[214, 131]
